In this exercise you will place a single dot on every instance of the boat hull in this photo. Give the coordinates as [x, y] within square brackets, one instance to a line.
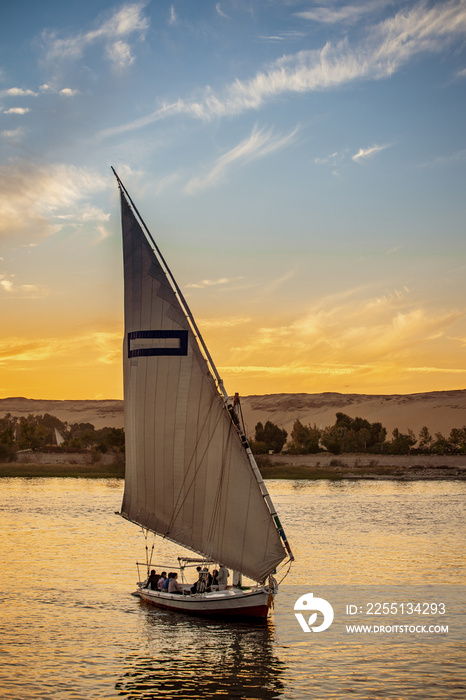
[229, 603]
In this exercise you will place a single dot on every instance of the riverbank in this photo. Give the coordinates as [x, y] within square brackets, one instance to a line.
[86, 465]
[83, 471]
[363, 466]
[320, 466]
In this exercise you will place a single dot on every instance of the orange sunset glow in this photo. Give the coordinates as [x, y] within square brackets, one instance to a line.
[307, 192]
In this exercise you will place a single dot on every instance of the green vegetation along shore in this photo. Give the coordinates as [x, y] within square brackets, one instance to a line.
[86, 471]
[417, 473]
[355, 467]
[363, 466]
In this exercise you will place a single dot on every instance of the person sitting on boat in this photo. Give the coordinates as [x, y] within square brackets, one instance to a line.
[206, 578]
[222, 577]
[195, 586]
[162, 579]
[153, 580]
[214, 584]
[174, 586]
[167, 582]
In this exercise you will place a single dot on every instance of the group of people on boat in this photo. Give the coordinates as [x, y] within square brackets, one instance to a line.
[206, 581]
[163, 582]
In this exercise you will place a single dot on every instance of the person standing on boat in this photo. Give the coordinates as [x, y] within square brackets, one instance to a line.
[234, 409]
[174, 586]
[222, 577]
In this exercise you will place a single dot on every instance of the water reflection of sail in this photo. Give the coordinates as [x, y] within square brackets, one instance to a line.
[192, 658]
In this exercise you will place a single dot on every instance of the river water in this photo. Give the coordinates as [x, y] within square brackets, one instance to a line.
[69, 627]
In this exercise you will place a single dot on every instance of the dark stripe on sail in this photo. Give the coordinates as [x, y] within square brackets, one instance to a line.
[180, 349]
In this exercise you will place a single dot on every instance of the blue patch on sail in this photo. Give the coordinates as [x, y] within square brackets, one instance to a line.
[146, 343]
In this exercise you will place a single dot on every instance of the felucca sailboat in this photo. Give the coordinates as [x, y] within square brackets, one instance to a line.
[190, 474]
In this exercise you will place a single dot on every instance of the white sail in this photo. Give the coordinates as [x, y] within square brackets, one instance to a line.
[59, 437]
[188, 476]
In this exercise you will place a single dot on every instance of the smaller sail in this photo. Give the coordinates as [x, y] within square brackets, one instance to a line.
[59, 437]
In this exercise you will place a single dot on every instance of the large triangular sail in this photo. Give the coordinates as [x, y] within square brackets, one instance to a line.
[188, 477]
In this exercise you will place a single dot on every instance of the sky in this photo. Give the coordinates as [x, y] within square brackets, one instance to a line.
[301, 165]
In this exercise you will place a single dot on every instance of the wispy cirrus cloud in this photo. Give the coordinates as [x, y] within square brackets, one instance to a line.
[456, 157]
[166, 181]
[291, 370]
[13, 136]
[343, 334]
[113, 33]
[435, 370]
[327, 159]
[387, 47]
[21, 350]
[365, 153]
[35, 201]
[260, 143]
[100, 346]
[338, 159]
[220, 12]
[296, 374]
[210, 283]
[173, 18]
[332, 159]
[229, 322]
[12, 288]
[344, 14]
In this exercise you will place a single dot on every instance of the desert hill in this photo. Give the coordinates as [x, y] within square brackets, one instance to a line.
[106, 413]
[440, 411]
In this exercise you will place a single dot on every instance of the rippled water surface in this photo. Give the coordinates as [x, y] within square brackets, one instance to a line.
[69, 627]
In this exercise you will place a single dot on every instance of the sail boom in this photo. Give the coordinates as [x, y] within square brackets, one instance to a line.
[204, 556]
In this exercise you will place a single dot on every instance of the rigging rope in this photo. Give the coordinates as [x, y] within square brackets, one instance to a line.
[290, 561]
[148, 558]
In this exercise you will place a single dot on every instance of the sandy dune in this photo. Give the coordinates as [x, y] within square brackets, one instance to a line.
[440, 411]
[107, 413]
